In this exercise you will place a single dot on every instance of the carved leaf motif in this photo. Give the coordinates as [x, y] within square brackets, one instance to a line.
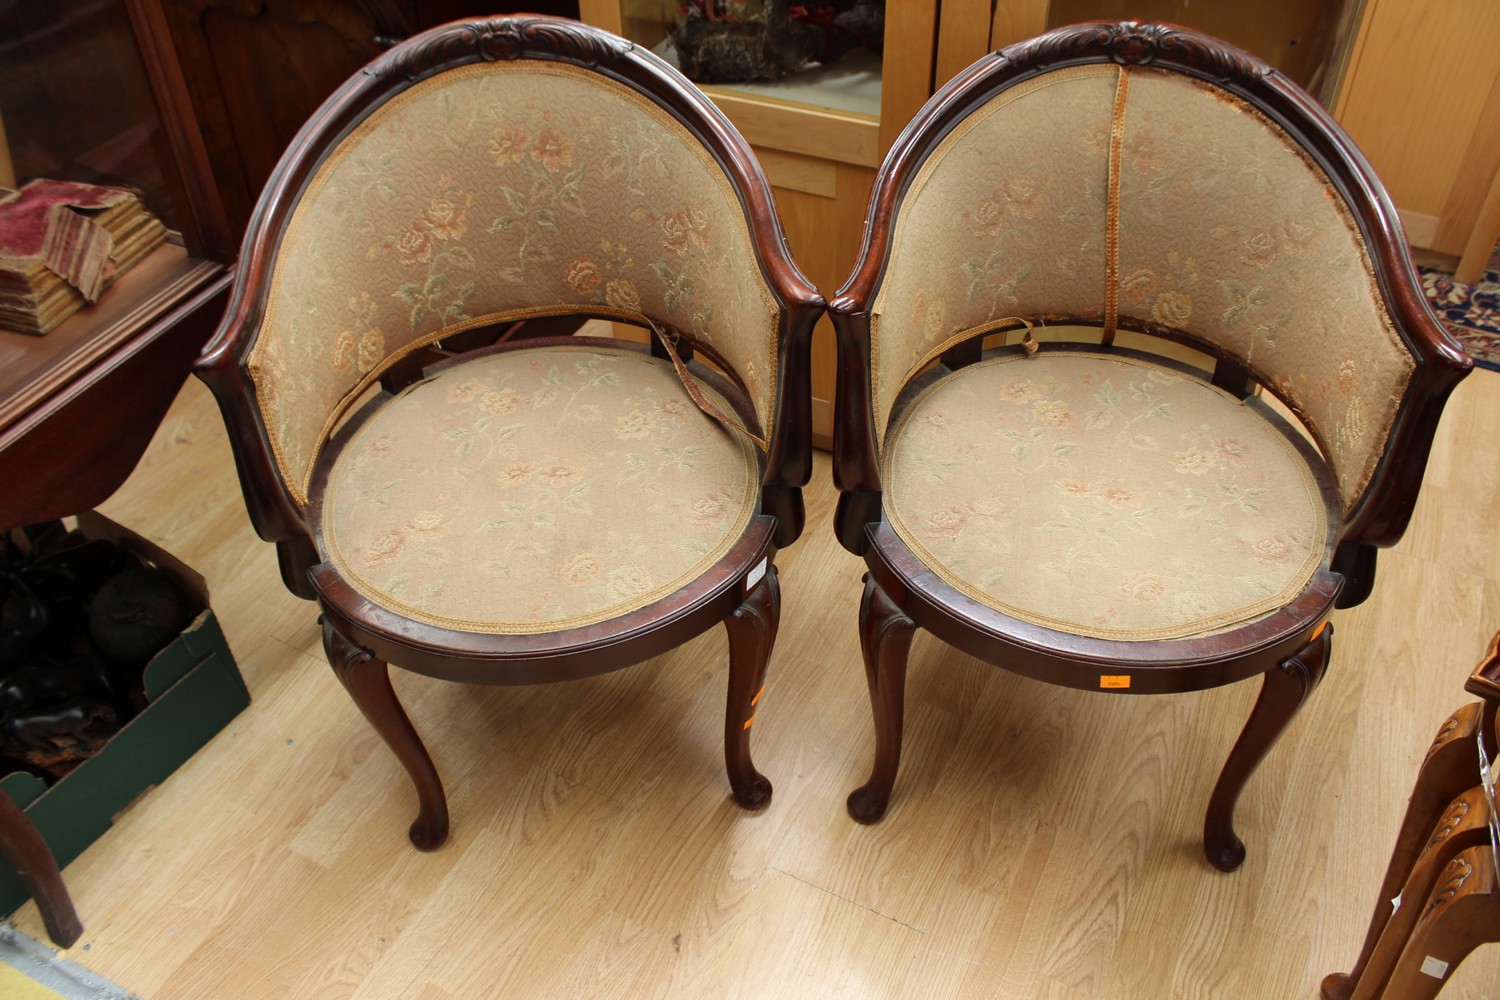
[1457, 810]
[1454, 877]
[1133, 43]
[500, 38]
[1442, 736]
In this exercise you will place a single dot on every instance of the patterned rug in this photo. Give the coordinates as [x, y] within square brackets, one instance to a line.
[1470, 312]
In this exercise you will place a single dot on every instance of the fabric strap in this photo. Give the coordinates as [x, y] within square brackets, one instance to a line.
[1112, 212]
[668, 338]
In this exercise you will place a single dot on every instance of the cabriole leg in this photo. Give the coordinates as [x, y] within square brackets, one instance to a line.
[1463, 825]
[1282, 694]
[1446, 772]
[752, 635]
[22, 845]
[885, 635]
[1462, 914]
[368, 682]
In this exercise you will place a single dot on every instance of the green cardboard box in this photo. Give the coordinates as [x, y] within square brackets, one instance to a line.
[193, 690]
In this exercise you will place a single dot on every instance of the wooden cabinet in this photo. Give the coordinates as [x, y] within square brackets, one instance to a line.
[1422, 100]
[82, 99]
[255, 71]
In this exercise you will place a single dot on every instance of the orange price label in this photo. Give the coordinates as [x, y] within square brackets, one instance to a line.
[1114, 681]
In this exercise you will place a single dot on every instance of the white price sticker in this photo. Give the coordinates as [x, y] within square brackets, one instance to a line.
[755, 575]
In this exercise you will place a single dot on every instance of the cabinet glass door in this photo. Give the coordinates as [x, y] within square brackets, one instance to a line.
[815, 60]
[1308, 40]
[834, 84]
[76, 104]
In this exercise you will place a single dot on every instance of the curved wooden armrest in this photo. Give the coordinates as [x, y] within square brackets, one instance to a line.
[1485, 680]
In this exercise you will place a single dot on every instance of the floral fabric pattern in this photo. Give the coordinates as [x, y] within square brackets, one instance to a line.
[1228, 231]
[532, 490]
[492, 192]
[1267, 262]
[1103, 496]
[1006, 218]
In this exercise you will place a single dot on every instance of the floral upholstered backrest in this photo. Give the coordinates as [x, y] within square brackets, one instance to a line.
[1228, 232]
[491, 192]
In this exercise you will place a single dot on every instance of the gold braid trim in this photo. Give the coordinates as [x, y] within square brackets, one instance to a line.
[1112, 212]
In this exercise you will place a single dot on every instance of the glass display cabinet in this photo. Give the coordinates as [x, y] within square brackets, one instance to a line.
[83, 98]
[838, 112]
[76, 103]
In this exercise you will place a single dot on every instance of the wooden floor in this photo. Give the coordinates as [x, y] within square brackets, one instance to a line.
[1043, 843]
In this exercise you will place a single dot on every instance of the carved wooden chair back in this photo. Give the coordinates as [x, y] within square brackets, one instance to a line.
[475, 176]
[1151, 179]
[1122, 191]
[1440, 899]
[494, 174]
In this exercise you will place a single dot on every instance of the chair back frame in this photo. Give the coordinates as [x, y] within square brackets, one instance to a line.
[276, 515]
[1381, 514]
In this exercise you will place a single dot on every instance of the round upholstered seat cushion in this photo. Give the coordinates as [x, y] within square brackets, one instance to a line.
[536, 490]
[1103, 496]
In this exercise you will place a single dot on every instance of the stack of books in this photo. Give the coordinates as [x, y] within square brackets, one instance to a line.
[62, 243]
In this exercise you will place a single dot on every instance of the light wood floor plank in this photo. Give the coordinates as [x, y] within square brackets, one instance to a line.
[1042, 842]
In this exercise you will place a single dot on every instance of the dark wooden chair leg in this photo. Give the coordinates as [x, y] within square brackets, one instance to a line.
[28, 854]
[368, 682]
[752, 636]
[885, 635]
[1446, 773]
[1462, 913]
[1281, 695]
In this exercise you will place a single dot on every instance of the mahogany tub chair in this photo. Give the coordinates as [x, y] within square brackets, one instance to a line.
[538, 509]
[1099, 514]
